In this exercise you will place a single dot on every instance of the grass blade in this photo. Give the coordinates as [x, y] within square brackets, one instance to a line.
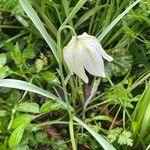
[37, 22]
[22, 85]
[87, 16]
[141, 113]
[74, 11]
[97, 136]
[102, 35]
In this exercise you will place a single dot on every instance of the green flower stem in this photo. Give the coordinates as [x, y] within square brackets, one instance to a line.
[74, 147]
[71, 115]
[61, 57]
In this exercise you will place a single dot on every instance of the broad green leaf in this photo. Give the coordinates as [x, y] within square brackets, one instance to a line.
[3, 60]
[20, 124]
[22, 120]
[49, 77]
[28, 107]
[28, 53]
[50, 106]
[121, 64]
[16, 136]
[97, 136]
[39, 25]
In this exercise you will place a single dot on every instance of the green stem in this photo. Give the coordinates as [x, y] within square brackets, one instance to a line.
[74, 147]
[71, 115]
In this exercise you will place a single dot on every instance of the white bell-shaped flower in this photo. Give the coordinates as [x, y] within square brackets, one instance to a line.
[85, 52]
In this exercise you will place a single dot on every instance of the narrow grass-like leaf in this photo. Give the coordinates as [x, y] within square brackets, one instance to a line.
[74, 11]
[86, 16]
[37, 22]
[66, 7]
[97, 136]
[142, 113]
[102, 35]
[22, 85]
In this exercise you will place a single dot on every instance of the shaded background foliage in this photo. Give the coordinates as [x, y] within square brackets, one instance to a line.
[121, 103]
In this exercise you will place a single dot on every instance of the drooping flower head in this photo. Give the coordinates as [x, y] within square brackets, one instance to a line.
[85, 52]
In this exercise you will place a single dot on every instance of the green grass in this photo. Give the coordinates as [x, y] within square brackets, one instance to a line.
[42, 105]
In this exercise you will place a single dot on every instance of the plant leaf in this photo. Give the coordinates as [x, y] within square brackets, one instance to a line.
[103, 34]
[28, 107]
[22, 85]
[16, 136]
[39, 25]
[22, 120]
[97, 136]
[74, 11]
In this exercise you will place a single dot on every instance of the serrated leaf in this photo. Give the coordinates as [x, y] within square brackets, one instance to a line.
[28, 107]
[118, 94]
[125, 138]
[22, 120]
[16, 136]
[50, 106]
[28, 54]
[114, 134]
[49, 77]
[20, 123]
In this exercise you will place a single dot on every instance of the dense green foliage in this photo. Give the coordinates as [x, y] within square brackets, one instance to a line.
[116, 107]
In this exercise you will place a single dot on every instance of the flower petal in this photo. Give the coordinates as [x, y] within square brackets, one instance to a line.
[74, 58]
[91, 40]
[67, 53]
[93, 62]
[78, 62]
